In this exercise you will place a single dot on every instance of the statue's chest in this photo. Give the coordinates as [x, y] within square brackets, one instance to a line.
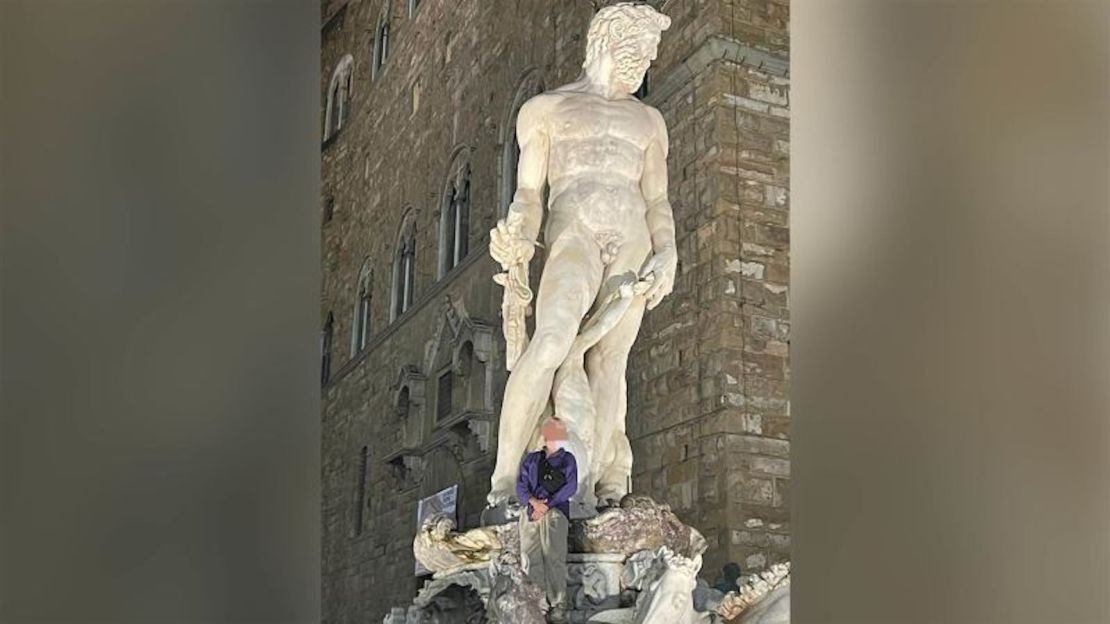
[596, 121]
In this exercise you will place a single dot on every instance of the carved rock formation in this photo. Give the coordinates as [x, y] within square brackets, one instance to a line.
[514, 598]
[638, 524]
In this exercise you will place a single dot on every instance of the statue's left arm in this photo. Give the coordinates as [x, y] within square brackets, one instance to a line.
[660, 219]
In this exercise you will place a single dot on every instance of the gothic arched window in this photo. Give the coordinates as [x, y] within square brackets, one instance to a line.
[325, 348]
[361, 328]
[338, 98]
[381, 45]
[361, 501]
[455, 220]
[404, 267]
[404, 404]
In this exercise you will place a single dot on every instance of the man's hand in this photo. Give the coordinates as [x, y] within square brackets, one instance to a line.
[661, 267]
[507, 243]
[539, 508]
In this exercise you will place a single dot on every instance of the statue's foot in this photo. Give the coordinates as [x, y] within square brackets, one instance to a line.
[610, 496]
[501, 507]
[608, 503]
[500, 493]
[557, 615]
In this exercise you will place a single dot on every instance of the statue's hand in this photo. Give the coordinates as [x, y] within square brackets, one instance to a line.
[508, 245]
[661, 267]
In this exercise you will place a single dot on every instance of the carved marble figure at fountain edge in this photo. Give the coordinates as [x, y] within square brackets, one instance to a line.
[610, 254]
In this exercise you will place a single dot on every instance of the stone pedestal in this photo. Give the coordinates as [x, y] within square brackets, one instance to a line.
[635, 564]
[593, 584]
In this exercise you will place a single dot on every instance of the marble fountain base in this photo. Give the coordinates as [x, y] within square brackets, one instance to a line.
[636, 564]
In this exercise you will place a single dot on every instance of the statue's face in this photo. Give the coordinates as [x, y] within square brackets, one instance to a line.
[631, 59]
[442, 527]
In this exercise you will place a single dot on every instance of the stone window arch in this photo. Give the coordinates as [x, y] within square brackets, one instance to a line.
[361, 500]
[460, 385]
[361, 327]
[408, 405]
[381, 44]
[326, 336]
[404, 267]
[338, 97]
[454, 213]
[463, 359]
[529, 85]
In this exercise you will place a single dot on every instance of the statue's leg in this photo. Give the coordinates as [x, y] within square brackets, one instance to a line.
[606, 364]
[571, 276]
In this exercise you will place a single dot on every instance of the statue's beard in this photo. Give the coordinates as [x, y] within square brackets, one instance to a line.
[629, 67]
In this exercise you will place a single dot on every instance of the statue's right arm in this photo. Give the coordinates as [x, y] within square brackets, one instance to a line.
[532, 167]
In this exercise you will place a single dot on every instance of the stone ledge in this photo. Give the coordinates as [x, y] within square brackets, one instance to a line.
[718, 48]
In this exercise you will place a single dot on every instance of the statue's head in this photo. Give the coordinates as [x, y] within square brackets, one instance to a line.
[622, 43]
[438, 525]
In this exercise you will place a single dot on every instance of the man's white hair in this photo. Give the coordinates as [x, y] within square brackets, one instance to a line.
[618, 22]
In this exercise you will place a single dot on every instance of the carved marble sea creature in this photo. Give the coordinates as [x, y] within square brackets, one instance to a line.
[762, 598]
[443, 550]
[669, 598]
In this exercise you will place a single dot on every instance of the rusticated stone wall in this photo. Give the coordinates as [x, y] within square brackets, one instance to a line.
[708, 380]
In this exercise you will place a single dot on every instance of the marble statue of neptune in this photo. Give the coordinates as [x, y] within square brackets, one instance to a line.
[609, 233]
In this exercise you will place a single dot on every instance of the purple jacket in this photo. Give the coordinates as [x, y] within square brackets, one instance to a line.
[528, 484]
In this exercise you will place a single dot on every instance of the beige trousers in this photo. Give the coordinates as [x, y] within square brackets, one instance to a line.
[543, 553]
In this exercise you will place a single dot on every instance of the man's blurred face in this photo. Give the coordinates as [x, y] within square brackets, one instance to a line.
[554, 435]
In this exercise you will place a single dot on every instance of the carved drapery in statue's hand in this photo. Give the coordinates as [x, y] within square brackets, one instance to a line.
[513, 250]
[508, 245]
[660, 269]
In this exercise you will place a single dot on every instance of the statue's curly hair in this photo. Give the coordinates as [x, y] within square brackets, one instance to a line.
[620, 21]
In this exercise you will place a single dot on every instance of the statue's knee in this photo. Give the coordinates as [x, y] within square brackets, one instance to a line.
[595, 359]
[607, 358]
[550, 348]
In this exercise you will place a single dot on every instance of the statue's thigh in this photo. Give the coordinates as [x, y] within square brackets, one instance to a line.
[571, 276]
[630, 258]
[614, 346]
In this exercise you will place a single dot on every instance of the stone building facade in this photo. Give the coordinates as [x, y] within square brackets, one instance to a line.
[418, 103]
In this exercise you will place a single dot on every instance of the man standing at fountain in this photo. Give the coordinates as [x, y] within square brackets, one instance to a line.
[603, 155]
[548, 479]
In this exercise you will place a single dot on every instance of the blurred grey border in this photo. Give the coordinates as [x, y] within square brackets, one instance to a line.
[159, 164]
[159, 274]
[951, 389]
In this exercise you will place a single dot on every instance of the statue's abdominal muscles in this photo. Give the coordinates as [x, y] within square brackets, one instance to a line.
[594, 174]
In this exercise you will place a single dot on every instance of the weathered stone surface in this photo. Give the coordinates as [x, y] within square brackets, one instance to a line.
[458, 598]
[594, 582]
[638, 524]
[514, 598]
